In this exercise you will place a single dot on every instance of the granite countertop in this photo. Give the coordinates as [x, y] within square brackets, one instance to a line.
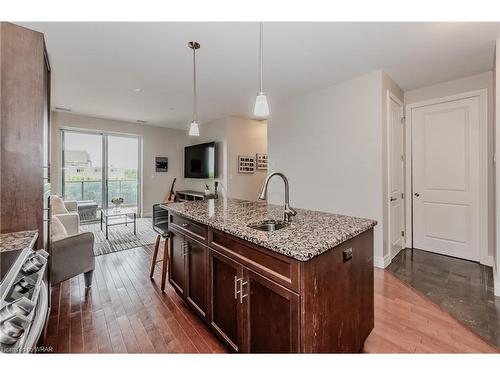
[310, 233]
[17, 240]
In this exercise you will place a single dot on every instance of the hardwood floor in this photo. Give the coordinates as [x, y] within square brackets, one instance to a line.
[408, 322]
[125, 312]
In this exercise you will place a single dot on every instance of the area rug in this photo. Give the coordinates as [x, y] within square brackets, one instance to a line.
[120, 237]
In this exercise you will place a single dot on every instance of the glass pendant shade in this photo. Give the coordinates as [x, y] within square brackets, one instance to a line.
[194, 129]
[261, 108]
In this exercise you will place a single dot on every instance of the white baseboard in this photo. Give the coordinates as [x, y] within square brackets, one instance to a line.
[488, 261]
[382, 262]
[496, 283]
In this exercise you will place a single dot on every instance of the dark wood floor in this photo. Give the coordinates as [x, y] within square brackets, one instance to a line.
[461, 287]
[125, 312]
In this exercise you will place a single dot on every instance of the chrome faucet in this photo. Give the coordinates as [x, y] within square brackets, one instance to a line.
[289, 211]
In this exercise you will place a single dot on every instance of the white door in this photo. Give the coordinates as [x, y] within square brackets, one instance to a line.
[395, 177]
[446, 167]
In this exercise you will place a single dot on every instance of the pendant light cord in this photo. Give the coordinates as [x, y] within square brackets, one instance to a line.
[261, 49]
[194, 86]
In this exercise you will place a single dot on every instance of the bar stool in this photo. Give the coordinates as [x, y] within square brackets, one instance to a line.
[164, 260]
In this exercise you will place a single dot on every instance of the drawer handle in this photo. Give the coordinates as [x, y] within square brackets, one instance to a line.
[347, 254]
[241, 290]
[236, 287]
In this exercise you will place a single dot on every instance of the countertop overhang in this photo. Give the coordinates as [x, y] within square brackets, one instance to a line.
[309, 234]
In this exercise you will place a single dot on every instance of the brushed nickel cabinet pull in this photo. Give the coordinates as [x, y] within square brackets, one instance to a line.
[236, 287]
[242, 283]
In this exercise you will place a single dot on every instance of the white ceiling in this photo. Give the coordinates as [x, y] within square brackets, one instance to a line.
[96, 66]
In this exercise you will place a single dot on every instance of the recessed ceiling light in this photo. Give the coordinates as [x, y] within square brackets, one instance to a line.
[137, 90]
[63, 109]
[141, 121]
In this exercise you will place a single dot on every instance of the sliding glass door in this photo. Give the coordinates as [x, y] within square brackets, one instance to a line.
[83, 164]
[98, 167]
[123, 169]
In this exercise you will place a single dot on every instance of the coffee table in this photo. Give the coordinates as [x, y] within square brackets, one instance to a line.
[118, 213]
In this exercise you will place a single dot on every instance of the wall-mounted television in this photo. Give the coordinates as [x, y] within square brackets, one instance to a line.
[200, 161]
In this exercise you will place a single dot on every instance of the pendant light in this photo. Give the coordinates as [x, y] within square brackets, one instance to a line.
[261, 108]
[194, 129]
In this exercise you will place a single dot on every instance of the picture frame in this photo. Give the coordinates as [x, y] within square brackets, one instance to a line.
[261, 161]
[161, 164]
[246, 164]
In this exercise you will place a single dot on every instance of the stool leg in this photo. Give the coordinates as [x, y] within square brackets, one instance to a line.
[164, 265]
[155, 254]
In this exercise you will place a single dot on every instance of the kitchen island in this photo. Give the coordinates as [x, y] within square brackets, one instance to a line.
[305, 288]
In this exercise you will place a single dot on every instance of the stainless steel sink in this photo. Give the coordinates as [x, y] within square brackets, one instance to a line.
[269, 225]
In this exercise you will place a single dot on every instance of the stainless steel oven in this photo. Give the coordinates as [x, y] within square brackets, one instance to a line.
[24, 302]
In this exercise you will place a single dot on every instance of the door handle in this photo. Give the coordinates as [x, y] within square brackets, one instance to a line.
[417, 195]
[393, 199]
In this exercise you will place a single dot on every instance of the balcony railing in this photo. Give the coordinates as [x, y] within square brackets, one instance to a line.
[92, 190]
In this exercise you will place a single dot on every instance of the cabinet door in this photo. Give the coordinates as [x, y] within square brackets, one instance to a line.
[176, 274]
[271, 316]
[225, 312]
[197, 276]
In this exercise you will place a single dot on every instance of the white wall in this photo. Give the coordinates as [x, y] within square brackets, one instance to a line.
[234, 136]
[329, 144]
[245, 137]
[214, 131]
[157, 141]
[497, 148]
[471, 83]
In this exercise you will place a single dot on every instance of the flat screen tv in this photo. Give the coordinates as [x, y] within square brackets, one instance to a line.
[200, 161]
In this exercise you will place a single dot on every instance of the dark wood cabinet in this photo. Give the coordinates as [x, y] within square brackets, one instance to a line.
[270, 316]
[196, 289]
[226, 311]
[177, 267]
[251, 313]
[259, 301]
[25, 128]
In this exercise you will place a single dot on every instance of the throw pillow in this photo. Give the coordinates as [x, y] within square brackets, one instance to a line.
[57, 205]
[58, 230]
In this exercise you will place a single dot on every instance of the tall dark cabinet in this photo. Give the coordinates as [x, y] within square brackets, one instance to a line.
[25, 132]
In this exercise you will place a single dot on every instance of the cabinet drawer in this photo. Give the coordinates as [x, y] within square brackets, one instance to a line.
[195, 230]
[276, 267]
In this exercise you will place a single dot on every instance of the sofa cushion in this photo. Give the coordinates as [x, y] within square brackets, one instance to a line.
[58, 232]
[57, 206]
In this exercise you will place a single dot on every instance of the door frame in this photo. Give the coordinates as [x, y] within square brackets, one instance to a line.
[390, 96]
[482, 94]
[104, 134]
